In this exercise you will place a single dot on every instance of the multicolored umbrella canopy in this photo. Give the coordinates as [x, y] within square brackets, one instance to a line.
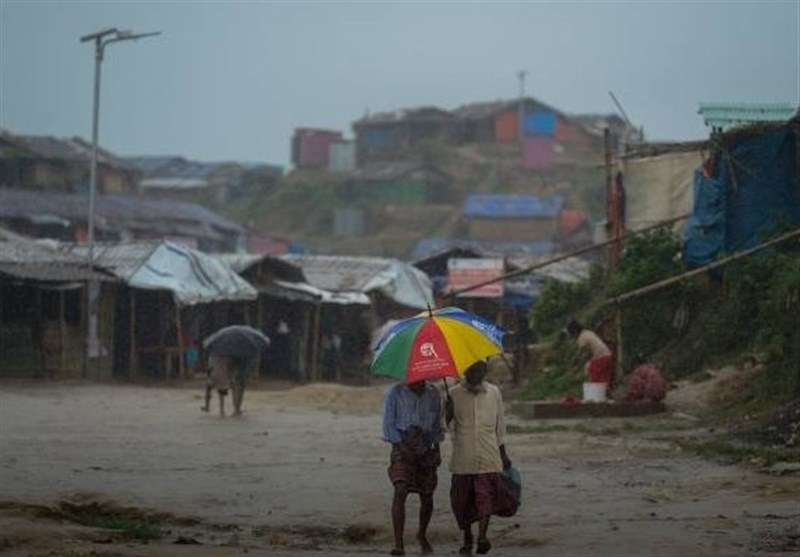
[434, 344]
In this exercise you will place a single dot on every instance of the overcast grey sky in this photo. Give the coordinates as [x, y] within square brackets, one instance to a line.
[231, 80]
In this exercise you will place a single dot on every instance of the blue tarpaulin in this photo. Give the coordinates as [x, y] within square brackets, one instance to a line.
[753, 194]
[512, 206]
[540, 123]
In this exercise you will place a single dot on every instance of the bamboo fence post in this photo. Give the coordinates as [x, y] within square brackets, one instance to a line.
[62, 334]
[315, 343]
[132, 372]
[619, 353]
[179, 332]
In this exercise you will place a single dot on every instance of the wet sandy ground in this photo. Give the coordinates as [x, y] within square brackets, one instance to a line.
[304, 468]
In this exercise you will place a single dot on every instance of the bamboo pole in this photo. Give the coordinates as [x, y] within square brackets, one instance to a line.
[618, 358]
[315, 343]
[307, 332]
[700, 270]
[562, 257]
[179, 332]
[62, 334]
[132, 371]
[609, 194]
[40, 342]
[260, 326]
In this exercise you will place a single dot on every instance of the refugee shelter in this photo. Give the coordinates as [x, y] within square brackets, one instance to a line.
[746, 190]
[168, 299]
[287, 310]
[43, 308]
[361, 293]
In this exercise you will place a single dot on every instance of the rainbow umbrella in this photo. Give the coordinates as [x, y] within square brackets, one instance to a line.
[436, 344]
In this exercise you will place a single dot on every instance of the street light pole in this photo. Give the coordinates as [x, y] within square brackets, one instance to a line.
[521, 131]
[101, 39]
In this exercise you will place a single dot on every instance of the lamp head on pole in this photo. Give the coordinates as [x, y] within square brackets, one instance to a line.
[99, 35]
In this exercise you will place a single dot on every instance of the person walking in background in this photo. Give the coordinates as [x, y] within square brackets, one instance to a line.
[238, 346]
[412, 423]
[477, 490]
[218, 378]
[239, 368]
[600, 366]
[223, 375]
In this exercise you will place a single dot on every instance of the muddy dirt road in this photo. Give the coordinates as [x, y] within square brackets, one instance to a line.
[302, 472]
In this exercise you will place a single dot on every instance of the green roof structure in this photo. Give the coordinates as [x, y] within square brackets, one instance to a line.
[728, 115]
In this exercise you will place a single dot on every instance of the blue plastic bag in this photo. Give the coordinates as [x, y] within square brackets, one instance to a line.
[510, 495]
[513, 480]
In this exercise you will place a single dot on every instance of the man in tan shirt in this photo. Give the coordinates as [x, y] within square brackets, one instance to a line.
[477, 491]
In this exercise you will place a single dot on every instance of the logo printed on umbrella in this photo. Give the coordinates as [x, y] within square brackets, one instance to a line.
[487, 328]
[427, 350]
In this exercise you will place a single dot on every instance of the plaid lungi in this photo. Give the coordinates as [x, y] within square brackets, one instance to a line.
[418, 470]
[476, 496]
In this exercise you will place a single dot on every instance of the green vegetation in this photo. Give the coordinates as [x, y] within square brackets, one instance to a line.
[132, 523]
[300, 206]
[749, 309]
[135, 529]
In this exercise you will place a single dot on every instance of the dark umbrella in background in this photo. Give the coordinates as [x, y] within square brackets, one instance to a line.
[236, 341]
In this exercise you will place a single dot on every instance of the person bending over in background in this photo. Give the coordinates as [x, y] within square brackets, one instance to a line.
[218, 378]
[600, 367]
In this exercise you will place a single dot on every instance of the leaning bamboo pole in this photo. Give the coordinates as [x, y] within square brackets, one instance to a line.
[621, 299]
[700, 270]
[562, 257]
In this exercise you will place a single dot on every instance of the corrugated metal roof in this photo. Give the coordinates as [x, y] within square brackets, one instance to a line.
[150, 164]
[335, 272]
[726, 115]
[429, 248]
[173, 183]
[280, 268]
[504, 206]
[397, 280]
[192, 276]
[115, 208]
[427, 113]
[570, 270]
[26, 258]
[478, 111]
[74, 149]
[121, 259]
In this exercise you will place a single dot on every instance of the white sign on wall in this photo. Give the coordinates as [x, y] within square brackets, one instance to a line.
[463, 272]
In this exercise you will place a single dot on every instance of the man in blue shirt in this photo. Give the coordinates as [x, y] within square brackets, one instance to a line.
[412, 423]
